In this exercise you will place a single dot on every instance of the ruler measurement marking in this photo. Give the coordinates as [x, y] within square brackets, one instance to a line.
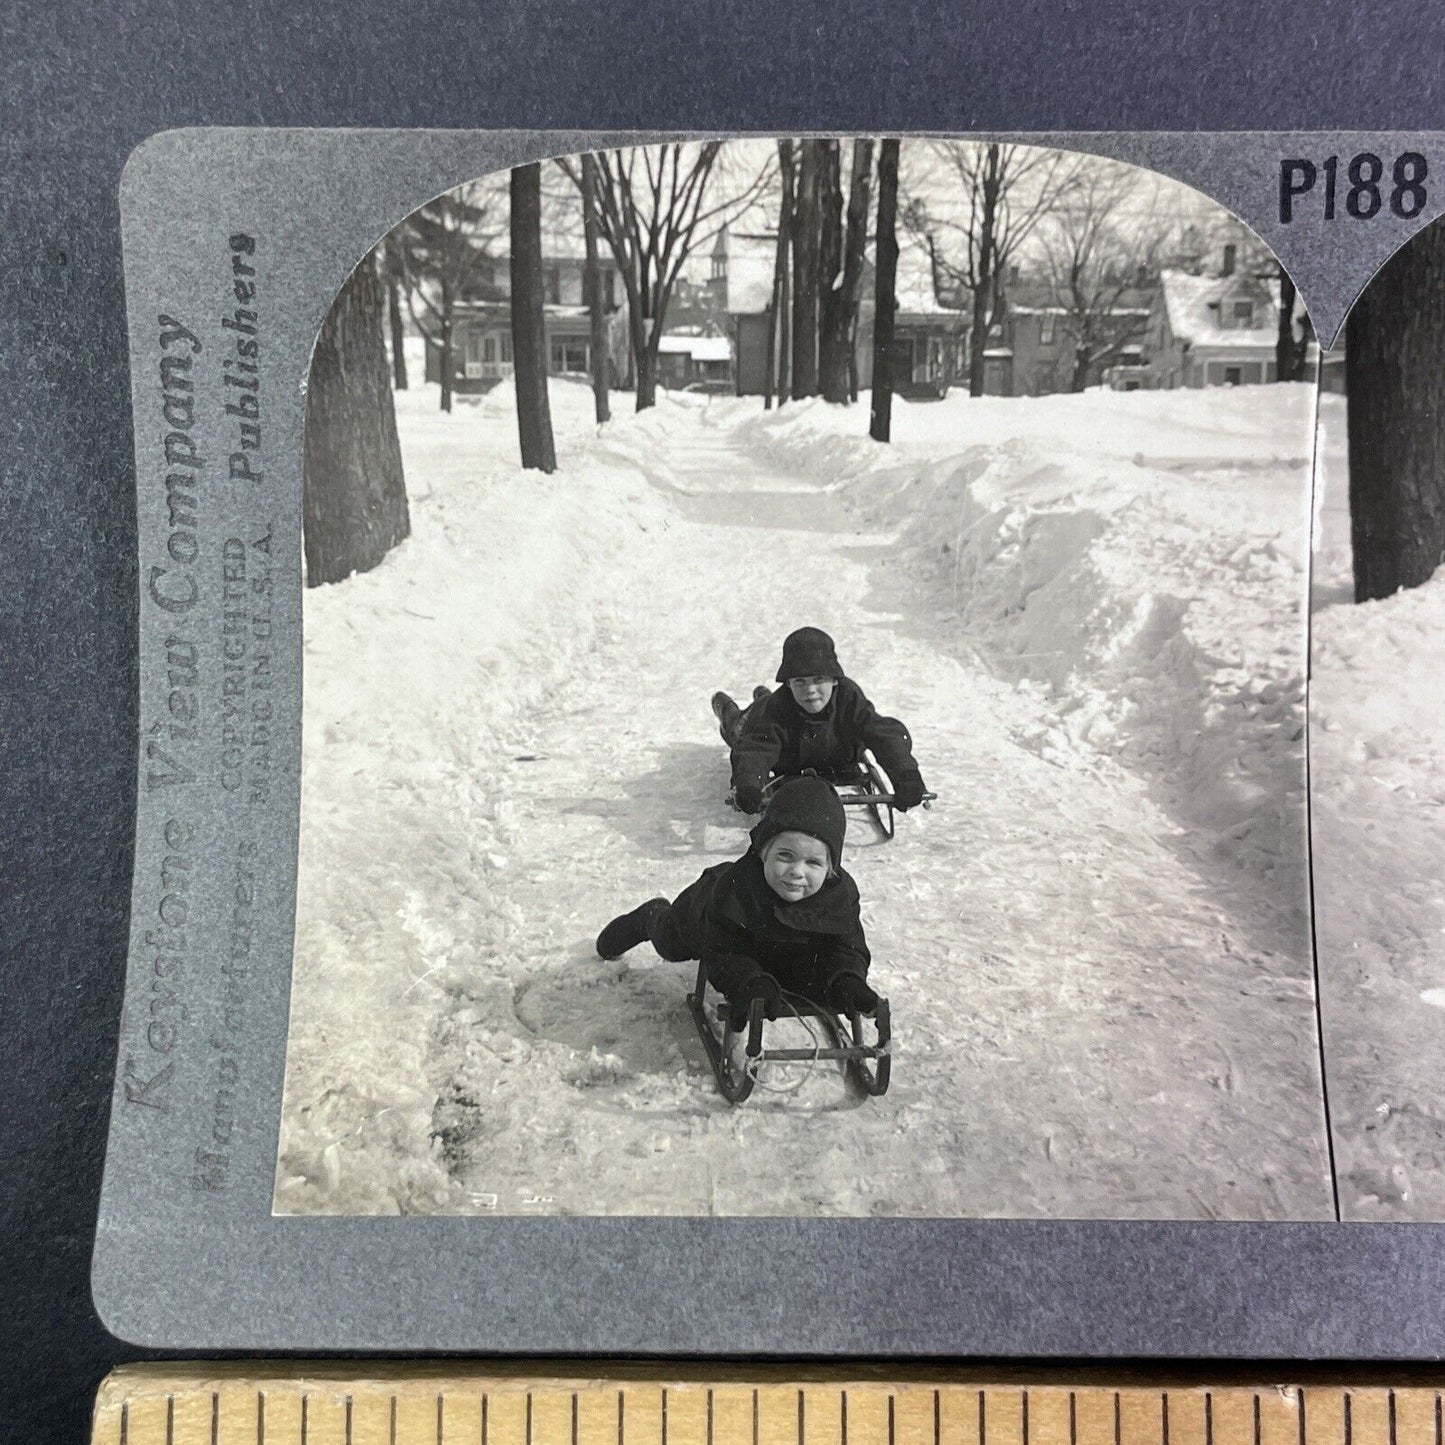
[1208, 1418]
[1392, 1417]
[1163, 1418]
[1438, 1422]
[170, 1420]
[982, 1438]
[348, 1420]
[801, 1422]
[215, 1417]
[1073, 1421]
[890, 1420]
[440, 1417]
[1024, 1415]
[1349, 1420]
[125, 1421]
[1118, 1425]
[622, 1408]
[844, 1416]
[529, 1419]
[755, 1417]
[392, 1436]
[937, 1418]
[574, 1418]
[260, 1417]
[664, 1421]
[709, 1416]
[305, 1403]
[1256, 1418]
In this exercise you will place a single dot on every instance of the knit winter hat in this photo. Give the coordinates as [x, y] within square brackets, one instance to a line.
[808, 652]
[804, 805]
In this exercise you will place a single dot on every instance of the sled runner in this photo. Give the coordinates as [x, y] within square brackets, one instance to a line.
[867, 1065]
[868, 788]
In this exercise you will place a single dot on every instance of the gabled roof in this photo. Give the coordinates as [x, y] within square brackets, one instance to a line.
[1194, 305]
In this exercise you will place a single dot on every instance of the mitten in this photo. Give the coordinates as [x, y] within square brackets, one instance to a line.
[908, 790]
[740, 1005]
[850, 994]
[748, 797]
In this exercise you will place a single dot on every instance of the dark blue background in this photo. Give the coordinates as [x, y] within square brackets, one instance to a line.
[78, 92]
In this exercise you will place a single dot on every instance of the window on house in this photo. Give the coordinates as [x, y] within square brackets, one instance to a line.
[1046, 330]
[489, 349]
[1243, 312]
[568, 356]
[554, 285]
[506, 350]
[1233, 375]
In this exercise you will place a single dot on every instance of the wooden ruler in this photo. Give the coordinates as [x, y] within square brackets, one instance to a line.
[406, 1404]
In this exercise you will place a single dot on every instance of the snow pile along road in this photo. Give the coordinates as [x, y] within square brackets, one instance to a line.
[1138, 558]
[1377, 745]
[1086, 608]
[420, 680]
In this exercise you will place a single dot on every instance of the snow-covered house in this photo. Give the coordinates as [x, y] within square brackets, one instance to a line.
[1212, 330]
[694, 356]
[482, 321]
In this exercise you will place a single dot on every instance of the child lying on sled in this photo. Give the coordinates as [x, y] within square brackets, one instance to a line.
[782, 918]
[818, 720]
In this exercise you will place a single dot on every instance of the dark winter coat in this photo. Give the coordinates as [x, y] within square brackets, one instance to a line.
[778, 737]
[733, 921]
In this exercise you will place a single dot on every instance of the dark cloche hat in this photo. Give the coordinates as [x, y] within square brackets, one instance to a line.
[808, 652]
[805, 805]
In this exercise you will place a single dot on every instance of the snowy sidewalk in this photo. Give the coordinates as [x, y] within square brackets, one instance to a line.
[1086, 1022]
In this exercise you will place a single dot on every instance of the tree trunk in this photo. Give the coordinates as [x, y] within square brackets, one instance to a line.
[1080, 378]
[885, 279]
[830, 266]
[805, 274]
[780, 266]
[984, 274]
[398, 337]
[354, 491]
[446, 363]
[1394, 365]
[592, 283]
[1289, 351]
[785, 323]
[838, 378]
[646, 354]
[529, 326]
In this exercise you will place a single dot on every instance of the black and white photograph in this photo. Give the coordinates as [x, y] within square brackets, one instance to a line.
[1377, 739]
[805, 654]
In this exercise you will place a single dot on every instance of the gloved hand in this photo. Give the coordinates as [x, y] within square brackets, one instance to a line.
[908, 790]
[748, 797]
[850, 994]
[740, 1004]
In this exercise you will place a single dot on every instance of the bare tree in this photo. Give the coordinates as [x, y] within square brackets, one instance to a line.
[885, 304]
[445, 249]
[840, 307]
[1097, 246]
[1394, 363]
[776, 366]
[353, 489]
[592, 286]
[997, 195]
[654, 209]
[529, 324]
[391, 270]
[805, 234]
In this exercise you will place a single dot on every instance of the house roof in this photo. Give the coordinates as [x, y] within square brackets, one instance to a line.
[1194, 305]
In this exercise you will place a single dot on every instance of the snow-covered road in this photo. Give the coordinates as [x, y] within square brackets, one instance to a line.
[1097, 1011]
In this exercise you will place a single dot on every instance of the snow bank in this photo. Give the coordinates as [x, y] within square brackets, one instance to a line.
[1377, 750]
[419, 679]
[1140, 558]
